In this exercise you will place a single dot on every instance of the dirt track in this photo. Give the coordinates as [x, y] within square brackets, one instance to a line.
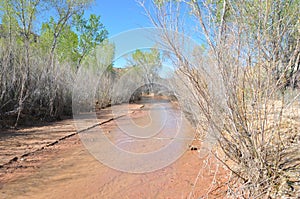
[68, 170]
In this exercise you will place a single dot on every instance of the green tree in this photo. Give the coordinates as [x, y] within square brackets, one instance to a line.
[67, 43]
[9, 26]
[149, 63]
[65, 10]
[91, 33]
[105, 52]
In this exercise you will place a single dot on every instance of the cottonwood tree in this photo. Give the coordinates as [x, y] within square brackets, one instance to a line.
[67, 42]
[91, 33]
[64, 10]
[9, 26]
[149, 63]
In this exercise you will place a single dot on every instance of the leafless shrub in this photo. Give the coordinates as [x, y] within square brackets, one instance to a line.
[26, 90]
[237, 88]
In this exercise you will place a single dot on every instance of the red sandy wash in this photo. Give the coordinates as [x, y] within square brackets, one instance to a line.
[67, 170]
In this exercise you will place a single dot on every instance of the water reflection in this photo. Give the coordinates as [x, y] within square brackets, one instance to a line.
[143, 141]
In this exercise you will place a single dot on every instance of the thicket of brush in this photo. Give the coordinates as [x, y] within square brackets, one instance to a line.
[242, 88]
[39, 58]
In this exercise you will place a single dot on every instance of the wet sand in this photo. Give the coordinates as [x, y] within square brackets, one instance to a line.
[68, 170]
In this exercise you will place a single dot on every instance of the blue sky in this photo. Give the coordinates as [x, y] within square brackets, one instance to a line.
[119, 15]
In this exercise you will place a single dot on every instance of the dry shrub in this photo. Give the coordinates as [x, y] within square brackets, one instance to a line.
[30, 88]
[236, 90]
